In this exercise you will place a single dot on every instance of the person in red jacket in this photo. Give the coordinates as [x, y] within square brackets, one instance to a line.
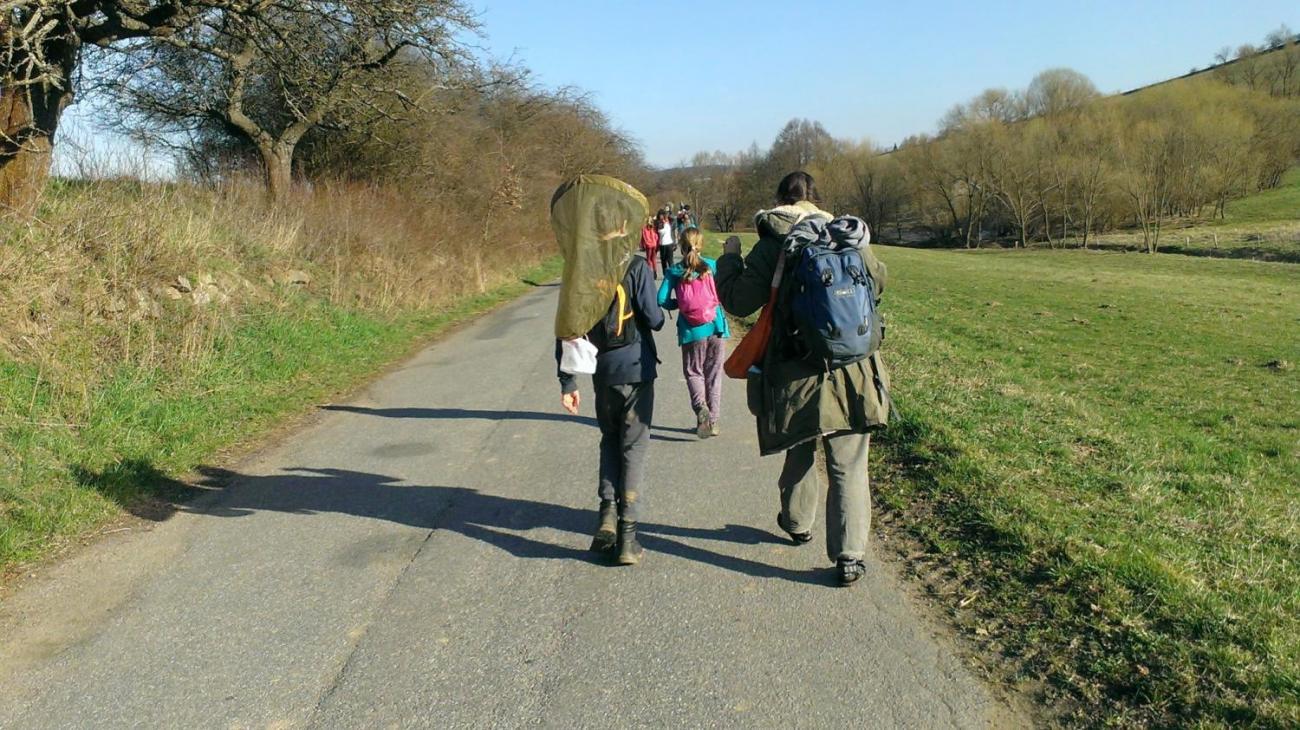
[650, 244]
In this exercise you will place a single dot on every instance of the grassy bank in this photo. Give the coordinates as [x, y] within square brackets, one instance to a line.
[1264, 226]
[1100, 453]
[1093, 467]
[140, 344]
[1279, 204]
[1274, 241]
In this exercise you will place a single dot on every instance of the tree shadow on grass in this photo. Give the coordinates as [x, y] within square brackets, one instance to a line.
[494, 519]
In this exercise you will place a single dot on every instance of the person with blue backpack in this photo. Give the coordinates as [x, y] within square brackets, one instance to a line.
[702, 328]
[819, 380]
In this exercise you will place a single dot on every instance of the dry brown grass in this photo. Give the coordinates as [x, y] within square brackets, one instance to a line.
[152, 274]
[146, 327]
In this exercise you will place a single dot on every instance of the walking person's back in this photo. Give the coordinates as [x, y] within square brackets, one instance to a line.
[650, 245]
[595, 219]
[667, 241]
[801, 399]
[702, 329]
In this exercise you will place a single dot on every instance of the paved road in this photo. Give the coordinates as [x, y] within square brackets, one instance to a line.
[416, 558]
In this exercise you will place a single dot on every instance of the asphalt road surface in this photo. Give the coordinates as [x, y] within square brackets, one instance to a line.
[416, 557]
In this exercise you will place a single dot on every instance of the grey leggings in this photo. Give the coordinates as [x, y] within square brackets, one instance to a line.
[624, 413]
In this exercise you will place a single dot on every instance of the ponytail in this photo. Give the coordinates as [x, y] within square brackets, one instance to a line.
[693, 264]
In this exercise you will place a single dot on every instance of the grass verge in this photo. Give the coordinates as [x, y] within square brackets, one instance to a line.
[1099, 453]
[62, 475]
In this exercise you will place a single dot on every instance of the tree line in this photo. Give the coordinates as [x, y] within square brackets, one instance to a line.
[295, 90]
[1056, 162]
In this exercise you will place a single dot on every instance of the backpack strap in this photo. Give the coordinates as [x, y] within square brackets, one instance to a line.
[776, 278]
[624, 311]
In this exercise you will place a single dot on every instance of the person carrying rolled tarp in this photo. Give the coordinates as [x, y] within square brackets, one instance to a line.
[604, 326]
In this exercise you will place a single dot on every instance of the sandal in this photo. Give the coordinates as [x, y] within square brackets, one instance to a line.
[851, 570]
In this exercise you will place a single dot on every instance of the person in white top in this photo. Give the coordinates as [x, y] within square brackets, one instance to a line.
[666, 241]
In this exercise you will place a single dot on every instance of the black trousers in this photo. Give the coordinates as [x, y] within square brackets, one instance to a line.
[666, 257]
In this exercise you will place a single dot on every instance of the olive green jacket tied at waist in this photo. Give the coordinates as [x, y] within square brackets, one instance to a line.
[797, 398]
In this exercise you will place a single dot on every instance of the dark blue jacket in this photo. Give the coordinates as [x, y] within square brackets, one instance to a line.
[633, 363]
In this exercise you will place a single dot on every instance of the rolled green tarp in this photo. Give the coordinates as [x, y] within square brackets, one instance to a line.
[597, 222]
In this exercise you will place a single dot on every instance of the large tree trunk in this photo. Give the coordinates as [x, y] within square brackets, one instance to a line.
[277, 162]
[29, 117]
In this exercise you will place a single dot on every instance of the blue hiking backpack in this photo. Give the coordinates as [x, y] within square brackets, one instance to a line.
[834, 305]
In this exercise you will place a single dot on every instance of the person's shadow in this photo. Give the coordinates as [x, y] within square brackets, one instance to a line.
[440, 414]
[496, 520]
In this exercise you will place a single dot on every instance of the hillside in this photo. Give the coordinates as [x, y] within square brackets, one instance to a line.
[1279, 205]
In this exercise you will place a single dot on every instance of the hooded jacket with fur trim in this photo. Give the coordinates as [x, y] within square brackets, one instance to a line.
[797, 398]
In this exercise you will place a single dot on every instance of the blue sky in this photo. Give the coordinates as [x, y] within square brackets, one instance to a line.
[718, 74]
[683, 76]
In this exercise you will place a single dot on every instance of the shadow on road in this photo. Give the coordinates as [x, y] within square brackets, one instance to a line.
[496, 520]
[460, 413]
[492, 415]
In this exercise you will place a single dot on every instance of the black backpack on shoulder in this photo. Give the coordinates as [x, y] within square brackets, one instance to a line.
[619, 327]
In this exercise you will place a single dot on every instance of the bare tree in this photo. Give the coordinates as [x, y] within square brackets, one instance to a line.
[727, 200]
[879, 189]
[1088, 160]
[1014, 174]
[271, 72]
[1059, 91]
[799, 144]
[41, 46]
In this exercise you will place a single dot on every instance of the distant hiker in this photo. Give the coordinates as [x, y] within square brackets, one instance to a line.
[702, 329]
[608, 308]
[820, 378]
[691, 220]
[650, 245]
[666, 240]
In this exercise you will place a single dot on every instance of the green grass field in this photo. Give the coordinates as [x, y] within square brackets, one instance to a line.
[60, 477]
[1279, 204]
[1098, 456]
[1109, 445]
